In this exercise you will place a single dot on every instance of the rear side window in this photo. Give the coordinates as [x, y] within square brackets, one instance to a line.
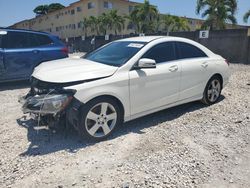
[42, 40]
[161, 52]
[189, 51]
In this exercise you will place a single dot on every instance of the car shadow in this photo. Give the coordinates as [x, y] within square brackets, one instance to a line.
[14, 85]
[44, 141]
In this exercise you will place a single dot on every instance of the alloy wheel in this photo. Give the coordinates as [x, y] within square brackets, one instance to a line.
[101, 119]
[214, 90]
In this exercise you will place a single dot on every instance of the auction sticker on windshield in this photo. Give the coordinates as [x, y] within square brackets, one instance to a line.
[135, 45]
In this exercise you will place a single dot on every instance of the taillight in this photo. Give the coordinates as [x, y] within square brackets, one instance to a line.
[227, 62]
[65, 50]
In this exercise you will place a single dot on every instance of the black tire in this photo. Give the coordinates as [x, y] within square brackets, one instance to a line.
[207, 95]
[85, 126]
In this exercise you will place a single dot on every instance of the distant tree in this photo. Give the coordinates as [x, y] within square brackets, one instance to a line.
[45, 9]
[41, 10]
[246, 16]
[217, 12]
[55, 6]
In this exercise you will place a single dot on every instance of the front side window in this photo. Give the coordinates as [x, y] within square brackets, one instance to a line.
[91, 5]
[116, 53]
[186, 51]
[161, 52]
[108, 5]
[1, 41]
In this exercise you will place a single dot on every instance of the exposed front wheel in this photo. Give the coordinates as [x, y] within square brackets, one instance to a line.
[212, 91]
[99, 119]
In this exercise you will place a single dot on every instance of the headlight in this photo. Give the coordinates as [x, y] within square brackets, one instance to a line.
[47, 104]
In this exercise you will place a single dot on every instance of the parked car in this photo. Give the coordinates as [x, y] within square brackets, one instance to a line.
[125, 80]
[22, 50]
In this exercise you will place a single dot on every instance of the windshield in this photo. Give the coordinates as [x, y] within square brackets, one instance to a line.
[116, 53]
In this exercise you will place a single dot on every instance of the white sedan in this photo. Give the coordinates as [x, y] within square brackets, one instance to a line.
[124, 80]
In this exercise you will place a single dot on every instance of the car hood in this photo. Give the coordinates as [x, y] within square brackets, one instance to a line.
[71, 70]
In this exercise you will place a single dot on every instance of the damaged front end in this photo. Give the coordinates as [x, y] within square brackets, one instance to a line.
[47, 102]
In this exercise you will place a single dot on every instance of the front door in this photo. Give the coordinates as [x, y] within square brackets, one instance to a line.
[156, 87]
[20, 55]
[2, 67]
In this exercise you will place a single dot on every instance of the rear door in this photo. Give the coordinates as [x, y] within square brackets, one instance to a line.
[194, 64]
[21, 54]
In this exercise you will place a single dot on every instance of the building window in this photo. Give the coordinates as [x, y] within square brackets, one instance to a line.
[108, 5]
[91, 5]
[72, 12]
[79, 25]
[78, 9]
[131, 8]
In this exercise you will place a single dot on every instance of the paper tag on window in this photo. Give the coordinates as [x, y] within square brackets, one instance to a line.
[135, 45]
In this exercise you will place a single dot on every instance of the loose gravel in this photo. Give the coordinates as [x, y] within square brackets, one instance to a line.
[191, 145]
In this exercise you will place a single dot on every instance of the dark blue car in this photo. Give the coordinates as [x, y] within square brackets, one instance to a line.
[22, 50]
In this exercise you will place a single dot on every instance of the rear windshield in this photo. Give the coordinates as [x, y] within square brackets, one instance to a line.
[116, 53]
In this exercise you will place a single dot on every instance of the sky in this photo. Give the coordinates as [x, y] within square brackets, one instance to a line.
[12, 11]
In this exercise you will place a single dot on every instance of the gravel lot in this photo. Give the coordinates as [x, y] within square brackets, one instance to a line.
[186, 146]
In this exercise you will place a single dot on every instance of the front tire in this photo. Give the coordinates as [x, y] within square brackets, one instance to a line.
[212, 91]
[99, 118]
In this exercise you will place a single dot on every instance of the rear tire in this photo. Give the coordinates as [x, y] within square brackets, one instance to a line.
[99, 118]
[212, 91]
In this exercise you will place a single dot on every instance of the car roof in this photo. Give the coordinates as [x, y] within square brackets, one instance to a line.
[149, 39]
[142, 39]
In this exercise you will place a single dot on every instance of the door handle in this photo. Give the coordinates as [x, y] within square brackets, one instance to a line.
[204, 64]
[36, 51]
[173, 68]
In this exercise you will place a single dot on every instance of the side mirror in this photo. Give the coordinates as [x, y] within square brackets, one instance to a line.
[146, 63]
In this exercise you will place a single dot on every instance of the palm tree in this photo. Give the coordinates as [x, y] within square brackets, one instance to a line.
[168, 23]
[117, 22]
[246, 16]
[85, 24]
[134, 22]
[180, 24]
[94, 24]
[104, 23]
[174, 23]
[144, 16]
[217, 12]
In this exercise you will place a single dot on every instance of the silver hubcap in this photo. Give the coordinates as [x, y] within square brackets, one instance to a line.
[214, 90]
[101, 119]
